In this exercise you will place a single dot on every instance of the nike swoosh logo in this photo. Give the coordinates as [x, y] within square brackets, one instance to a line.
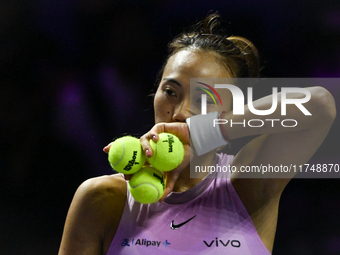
[173, 226]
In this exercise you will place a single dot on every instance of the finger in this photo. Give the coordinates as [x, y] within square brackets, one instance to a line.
[107, 148]
[180, 129]
[171, 178]
[145, 142]
[127, 177]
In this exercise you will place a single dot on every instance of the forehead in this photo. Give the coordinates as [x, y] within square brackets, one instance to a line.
[188, 64]
[204, 65]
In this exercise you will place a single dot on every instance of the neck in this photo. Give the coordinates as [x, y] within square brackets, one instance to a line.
[184, 181]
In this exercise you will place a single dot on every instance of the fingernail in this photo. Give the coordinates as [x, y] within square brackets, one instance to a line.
[148, 153]
[105, 148]
[154, 138]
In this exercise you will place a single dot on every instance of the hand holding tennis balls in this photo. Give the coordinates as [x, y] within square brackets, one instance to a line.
[147, 185]
[126, 155]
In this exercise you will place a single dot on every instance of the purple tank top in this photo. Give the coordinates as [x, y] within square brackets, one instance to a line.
[206, 219]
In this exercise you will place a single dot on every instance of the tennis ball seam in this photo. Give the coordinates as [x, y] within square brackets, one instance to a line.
[149, 184]
[122, 155]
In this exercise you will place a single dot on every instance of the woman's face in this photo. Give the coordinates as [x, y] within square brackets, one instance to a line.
[172, 99]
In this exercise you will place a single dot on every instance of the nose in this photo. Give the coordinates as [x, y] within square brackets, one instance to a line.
[182, 111]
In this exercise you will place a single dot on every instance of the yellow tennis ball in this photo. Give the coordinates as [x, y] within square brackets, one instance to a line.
[167, 153]
[147, 185]
[126, 155]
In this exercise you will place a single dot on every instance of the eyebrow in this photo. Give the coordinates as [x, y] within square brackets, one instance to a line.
[173, 81]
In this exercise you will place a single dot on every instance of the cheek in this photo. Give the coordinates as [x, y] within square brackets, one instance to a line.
[162, 108]
[225, 107]
[227, 100]
[158, 102]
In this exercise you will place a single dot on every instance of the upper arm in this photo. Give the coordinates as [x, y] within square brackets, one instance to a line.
[261, 195]
[93, 216]
[286, 147]
[291, 147]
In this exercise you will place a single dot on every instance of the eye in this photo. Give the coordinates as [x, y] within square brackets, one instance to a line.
[170, 92]
[199, 101]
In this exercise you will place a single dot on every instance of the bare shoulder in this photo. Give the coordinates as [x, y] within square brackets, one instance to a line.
[103, 187]
[94, 215]
[104, 194]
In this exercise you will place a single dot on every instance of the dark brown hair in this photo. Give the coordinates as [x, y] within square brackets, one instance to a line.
[237, 54]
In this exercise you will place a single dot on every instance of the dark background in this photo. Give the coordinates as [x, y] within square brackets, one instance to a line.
[76, 74]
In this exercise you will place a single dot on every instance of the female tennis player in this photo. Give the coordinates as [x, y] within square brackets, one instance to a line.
[221, 215]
